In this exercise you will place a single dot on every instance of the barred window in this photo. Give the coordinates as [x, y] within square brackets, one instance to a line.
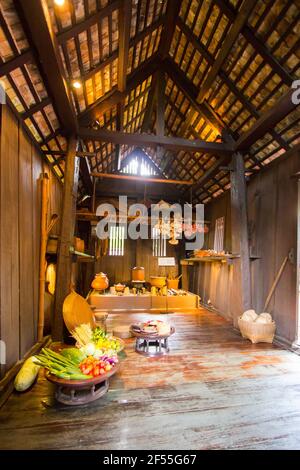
[116, 240]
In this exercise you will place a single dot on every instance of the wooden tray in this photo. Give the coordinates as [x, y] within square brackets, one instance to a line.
[153, 336]
[81, 384]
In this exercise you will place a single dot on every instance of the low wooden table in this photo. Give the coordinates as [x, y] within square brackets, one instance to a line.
[152, 345]
[81, 392]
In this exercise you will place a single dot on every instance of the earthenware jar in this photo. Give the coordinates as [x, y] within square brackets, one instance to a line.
[100, 282]
[138, 273]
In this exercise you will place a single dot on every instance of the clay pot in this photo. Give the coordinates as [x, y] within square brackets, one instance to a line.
[138, 273]
[173, 283]
[100, 282]
[157, 281]
[119, 287]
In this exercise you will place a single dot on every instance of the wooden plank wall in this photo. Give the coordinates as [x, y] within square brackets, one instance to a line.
[272, 212]
[20, 205]
[136, 253]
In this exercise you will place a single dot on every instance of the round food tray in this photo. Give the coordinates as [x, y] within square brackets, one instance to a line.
[153, 336]
[80, 392]
[152, 345]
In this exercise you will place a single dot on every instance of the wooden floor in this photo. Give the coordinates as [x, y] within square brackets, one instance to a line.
[214, 391]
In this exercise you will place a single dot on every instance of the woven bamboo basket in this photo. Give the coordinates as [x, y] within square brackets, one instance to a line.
[257, 332]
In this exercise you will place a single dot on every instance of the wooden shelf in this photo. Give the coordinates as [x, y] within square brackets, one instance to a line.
[213, 259]
[82, 257]
[209, 259]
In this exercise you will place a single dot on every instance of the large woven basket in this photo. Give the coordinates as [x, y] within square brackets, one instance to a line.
[257, 332]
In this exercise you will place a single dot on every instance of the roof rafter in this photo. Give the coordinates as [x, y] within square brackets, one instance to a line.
[114, 97]
[124, 40]
[229, 83]
[88, 22]
[267, 121]
[36, 21]
[256, 43]
[37, 24]
[236, 27]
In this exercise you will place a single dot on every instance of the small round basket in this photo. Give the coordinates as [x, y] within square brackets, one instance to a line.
[257, 332]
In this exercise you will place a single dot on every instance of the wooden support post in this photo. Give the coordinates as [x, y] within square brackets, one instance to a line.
[160, 109]
[296, 344]
[43, 247]
[241, 299]
[64, 262]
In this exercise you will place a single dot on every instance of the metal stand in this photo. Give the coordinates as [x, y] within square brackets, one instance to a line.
[152, 347]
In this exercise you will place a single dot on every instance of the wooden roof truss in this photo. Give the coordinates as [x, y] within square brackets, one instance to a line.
[155, 74]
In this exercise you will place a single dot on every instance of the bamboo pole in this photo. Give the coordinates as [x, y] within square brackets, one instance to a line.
[43, 248]
[274, 285]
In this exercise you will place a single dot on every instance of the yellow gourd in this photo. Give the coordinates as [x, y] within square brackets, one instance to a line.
[26, 375]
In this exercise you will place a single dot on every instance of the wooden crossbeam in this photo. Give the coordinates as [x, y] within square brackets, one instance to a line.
[12, 64]
[266, 122]
[36, 108]
[142, 179]
[146, 140]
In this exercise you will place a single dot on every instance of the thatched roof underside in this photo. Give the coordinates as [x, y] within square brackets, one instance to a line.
[258, 70]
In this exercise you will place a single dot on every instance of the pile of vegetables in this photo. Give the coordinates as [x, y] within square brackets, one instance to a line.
[64, 365]
[96, 367]
[95, 342]
[74, 364]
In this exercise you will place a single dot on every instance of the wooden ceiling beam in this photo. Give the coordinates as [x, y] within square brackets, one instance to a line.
[249, 33]
[142, 179]
[228, 82]
[88, 22]
[124, 22]
[115, 96]
[267, 121]
[173, 10]
[190, 92]
[16, 62]
[36, 108]
[115, 54]
[35, 17]
[238, 23]
[37, 24]
[146, 140]
[150, 104]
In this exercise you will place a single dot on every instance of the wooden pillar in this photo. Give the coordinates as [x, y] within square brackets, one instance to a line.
[241, 299]
[64, 261]
[160, 109]
[296, 343]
